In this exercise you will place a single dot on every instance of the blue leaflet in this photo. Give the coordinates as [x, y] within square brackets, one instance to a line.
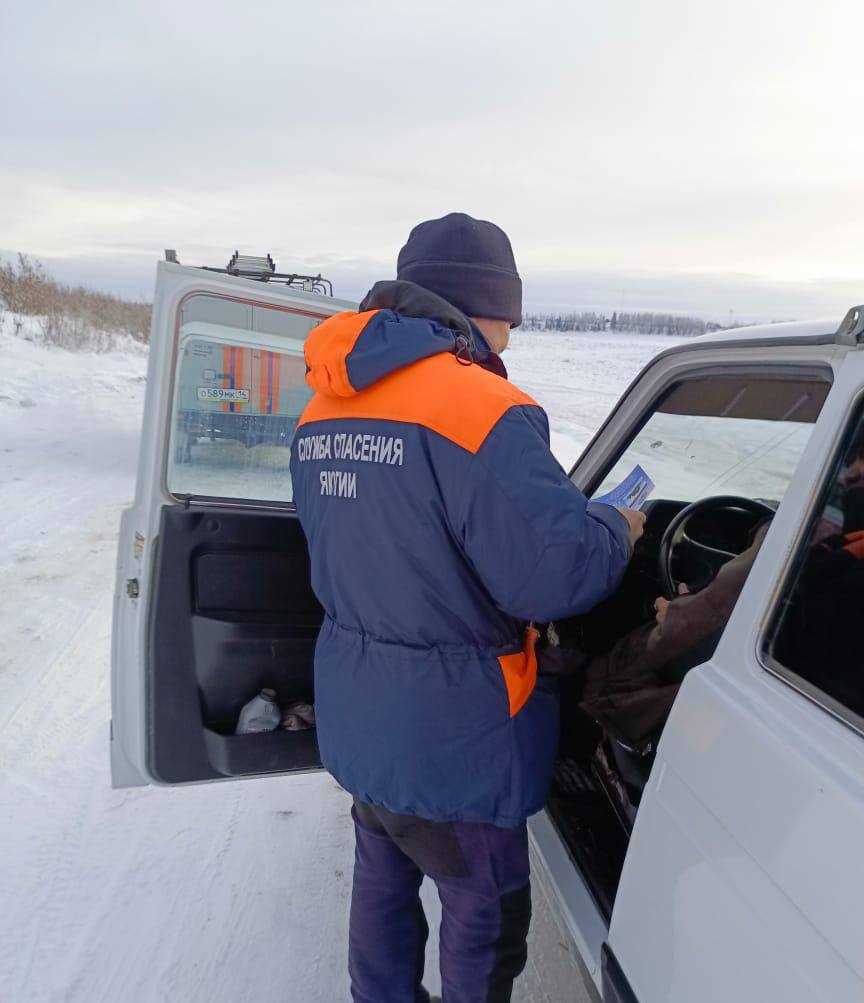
[631, 492]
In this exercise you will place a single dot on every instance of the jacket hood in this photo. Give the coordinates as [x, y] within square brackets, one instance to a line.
[399, 323]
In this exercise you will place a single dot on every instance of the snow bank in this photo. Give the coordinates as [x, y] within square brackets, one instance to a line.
[68, 334]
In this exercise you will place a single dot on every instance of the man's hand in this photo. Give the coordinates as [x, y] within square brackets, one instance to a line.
[661, 604]
[636, 522]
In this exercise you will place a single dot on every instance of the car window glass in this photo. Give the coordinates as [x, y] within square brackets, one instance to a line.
[724, 436]
[815, 638]
[240, 387]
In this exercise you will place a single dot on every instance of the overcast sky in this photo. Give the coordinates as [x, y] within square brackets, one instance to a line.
[686, 155]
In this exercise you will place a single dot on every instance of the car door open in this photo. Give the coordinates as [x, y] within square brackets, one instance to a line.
[213, 600]
[720, 429]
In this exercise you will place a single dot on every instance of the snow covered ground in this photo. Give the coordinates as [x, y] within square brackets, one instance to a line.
[222, 892]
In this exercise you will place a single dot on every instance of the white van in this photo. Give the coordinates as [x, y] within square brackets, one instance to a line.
[723, 862]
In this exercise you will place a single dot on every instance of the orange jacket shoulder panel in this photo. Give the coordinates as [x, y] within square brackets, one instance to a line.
[327, 348]
[462, 403]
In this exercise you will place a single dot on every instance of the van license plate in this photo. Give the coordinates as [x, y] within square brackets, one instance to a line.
[222, 394]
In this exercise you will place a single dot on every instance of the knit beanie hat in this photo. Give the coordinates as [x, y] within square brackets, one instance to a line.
[468, 262]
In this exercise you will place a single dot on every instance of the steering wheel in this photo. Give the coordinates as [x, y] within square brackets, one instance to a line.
[678, 546]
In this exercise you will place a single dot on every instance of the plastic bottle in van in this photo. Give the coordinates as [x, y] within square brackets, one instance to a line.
[259, 715]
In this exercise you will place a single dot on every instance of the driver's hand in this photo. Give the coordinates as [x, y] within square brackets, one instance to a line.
[662, 604]
[636, 522]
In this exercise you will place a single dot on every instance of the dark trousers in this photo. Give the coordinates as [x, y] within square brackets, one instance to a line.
[481, 872]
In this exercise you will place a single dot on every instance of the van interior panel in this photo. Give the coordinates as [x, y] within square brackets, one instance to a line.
[236, 614]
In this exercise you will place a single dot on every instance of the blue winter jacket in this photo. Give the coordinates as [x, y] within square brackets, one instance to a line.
[439, 524]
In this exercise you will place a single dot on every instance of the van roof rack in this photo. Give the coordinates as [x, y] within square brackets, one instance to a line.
[248, 266]
[851, 330]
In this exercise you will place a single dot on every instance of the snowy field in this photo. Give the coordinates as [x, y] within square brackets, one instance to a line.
[222, 892]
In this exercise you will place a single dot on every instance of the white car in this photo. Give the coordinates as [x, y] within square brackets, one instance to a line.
[742, 876]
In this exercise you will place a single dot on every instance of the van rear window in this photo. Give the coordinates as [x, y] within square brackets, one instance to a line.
[240, 388]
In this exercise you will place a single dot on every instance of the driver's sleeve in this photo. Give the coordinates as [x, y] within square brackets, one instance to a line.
[540, 548]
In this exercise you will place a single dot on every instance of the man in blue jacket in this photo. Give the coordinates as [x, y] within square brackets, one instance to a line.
[440, 528]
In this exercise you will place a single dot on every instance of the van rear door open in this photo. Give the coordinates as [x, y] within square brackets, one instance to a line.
[213, 600]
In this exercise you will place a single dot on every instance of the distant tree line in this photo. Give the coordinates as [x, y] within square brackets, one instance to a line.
[639, 323]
